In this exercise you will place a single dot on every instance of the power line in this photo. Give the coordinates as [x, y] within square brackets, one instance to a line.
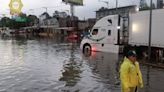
[48, 7]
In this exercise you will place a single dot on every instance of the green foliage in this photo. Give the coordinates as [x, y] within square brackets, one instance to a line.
[18, 22]
[32, 19]
[146, 7]
[5, 22]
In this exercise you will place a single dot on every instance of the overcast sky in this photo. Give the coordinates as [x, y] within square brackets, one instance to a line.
[86, 11]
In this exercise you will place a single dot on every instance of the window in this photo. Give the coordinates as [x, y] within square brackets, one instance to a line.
[109, 32]
[95, 32]
[110, 21]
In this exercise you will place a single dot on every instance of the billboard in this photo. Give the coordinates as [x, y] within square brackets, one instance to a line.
[75, 2]
[20, 19]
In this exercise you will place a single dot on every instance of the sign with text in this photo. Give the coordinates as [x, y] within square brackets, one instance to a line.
[19, 18]
[75, 2]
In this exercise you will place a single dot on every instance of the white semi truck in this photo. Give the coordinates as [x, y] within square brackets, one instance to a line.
[114, 33]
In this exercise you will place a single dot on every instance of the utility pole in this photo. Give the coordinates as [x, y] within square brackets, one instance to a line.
[46, 8]
[149, 47]
[46, 20]
[150, 29]
[72, 4]
[72, 14]
[116, 5]
[142, 4]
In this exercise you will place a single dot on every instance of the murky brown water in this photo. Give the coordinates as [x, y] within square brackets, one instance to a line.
[46, 65]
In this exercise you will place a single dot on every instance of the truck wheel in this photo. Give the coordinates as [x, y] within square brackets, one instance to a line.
[86, 48]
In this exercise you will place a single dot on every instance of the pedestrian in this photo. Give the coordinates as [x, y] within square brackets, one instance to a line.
[130, 74]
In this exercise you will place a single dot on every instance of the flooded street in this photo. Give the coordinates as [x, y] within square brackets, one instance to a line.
[46, 65]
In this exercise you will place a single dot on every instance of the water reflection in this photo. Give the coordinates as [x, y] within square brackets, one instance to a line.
[71, 71]
[48, 65]
[20, 40]
[105, 67]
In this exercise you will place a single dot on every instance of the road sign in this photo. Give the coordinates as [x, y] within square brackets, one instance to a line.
[74, 2]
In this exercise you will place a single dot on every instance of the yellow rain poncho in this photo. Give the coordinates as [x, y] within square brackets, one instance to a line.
[130, 75]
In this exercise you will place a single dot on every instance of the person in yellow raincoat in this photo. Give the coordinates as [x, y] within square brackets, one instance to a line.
[130, 74]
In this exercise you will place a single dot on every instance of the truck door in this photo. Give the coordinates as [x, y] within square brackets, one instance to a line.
[98, 34]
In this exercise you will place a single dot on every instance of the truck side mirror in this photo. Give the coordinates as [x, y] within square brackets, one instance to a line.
[89, 31]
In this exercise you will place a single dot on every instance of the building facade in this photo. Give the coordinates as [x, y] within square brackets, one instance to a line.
[102, 12]
[159, 4]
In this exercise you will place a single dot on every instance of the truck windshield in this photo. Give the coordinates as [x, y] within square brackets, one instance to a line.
[95, 32]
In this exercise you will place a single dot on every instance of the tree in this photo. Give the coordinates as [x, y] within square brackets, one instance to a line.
[153, 6]
[5, 22]
[19, 21]
[32, 20]
[144, 6]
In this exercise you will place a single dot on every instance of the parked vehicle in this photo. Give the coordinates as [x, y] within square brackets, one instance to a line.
[103, 36]
[5, 31]
[116, 33]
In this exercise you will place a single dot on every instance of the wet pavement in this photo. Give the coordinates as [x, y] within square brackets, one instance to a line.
[54, 65]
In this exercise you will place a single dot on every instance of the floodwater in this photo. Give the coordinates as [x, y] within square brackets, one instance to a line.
[54, 65]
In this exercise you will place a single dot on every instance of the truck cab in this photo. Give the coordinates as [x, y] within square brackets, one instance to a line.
[104, 36]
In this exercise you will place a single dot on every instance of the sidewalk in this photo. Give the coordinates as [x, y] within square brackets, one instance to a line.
[153, 76]
[154, 63]
[157, 65]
